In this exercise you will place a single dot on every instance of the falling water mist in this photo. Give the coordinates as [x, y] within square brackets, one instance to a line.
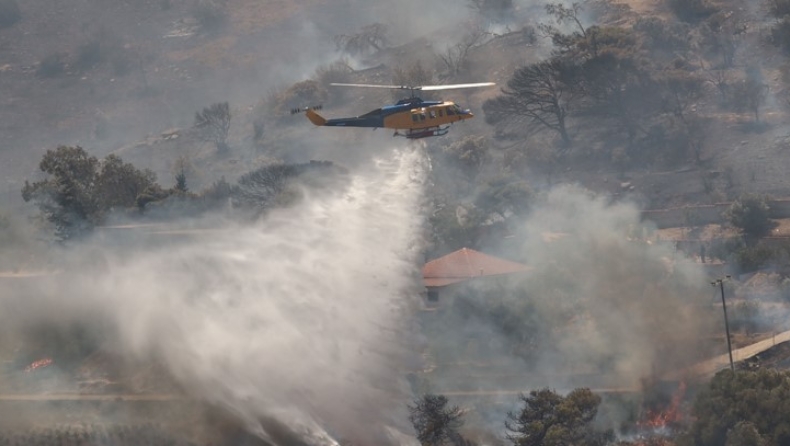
[292, 323]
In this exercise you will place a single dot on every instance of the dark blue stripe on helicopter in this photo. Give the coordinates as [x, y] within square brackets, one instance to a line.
[376, 117]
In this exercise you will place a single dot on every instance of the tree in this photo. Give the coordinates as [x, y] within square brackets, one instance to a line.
[750, 214]
[681, 91]
[538, 96]
[268, 186]
[80, 189]
[743, 408]
[744, 433]
[434, 422]
[617, 84]
[181, 182]
[720, 38]
[564, 15]
[550, 419]
[67, 199]
[118, 184]
[469, 153]
[750, 95]
[456, 57]
[370, 37]
[213, 125]
[504, 195]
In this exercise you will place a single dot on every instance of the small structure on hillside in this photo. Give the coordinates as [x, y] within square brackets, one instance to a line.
[461, 266]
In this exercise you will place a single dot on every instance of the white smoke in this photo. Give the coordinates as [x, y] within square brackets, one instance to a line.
[292, 321]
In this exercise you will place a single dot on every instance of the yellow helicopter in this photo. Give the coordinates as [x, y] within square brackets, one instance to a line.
[412, 117]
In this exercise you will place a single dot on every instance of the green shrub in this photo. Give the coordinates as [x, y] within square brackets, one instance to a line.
[753, 258]
[750, 215]
[9, 13]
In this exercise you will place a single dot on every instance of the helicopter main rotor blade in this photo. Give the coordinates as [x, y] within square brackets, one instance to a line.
[418, 87]
[454, 86]
[391, 87]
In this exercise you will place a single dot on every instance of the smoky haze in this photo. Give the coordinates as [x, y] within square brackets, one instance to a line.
[290, 323]
[600, 307]
[639, 308]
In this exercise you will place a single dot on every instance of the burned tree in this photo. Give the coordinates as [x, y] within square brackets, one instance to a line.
[456, 57]
[750, 95]
[566, 15]
[213, 125]
[371, 37]
[538, 96]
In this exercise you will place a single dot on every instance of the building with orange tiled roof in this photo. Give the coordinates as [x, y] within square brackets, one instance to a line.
[463, 265]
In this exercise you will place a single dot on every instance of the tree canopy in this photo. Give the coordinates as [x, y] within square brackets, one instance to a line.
[550, 419]
[744, 408]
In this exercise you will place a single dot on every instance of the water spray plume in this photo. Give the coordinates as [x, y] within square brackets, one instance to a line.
[293, 323]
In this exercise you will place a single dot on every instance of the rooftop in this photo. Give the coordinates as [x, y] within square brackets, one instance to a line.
[466, 264]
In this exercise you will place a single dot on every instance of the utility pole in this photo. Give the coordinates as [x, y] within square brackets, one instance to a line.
[720, 283]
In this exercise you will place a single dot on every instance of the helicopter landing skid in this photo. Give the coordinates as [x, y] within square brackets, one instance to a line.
[423, 133]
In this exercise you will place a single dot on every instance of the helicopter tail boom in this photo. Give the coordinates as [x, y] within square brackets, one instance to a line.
[314, 117]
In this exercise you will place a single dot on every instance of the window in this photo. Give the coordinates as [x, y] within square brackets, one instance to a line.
[432, 114]
[422, 116]
[441, 112]
[450, 111]
[415, 117]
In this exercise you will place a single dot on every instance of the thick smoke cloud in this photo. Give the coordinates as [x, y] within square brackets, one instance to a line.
[292, 324]
[636, 306]
[603, 306]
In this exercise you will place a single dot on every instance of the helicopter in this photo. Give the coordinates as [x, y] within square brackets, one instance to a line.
[412, 117]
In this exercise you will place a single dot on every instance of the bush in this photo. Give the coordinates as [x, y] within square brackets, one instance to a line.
[753, 258]
[9, 13]
[52, 66]
[691, 11]
[750, 215]
[754, 397]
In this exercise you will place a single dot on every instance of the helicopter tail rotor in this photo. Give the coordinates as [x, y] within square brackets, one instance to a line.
[305, 109]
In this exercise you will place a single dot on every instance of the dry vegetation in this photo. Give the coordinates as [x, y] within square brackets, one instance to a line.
[669, 103]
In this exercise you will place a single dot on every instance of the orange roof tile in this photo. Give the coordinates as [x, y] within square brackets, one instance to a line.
[466, 264]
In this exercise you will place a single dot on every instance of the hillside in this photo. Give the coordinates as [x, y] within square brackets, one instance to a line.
[268, 271]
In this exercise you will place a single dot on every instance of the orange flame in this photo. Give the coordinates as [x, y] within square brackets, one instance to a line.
[39, 364]
[667, 417]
